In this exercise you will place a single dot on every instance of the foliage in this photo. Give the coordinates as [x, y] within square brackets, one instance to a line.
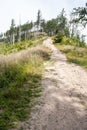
[12, 26]
[51, 27]
[43, 24]
[62, 24]
[58, 38]
[58, 25]
[38, 22]
[9, 48]
[69, 41]
[22, 31]
[80, 14]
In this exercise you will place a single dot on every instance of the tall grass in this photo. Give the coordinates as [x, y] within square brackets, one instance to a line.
[7, 48]
[20, 76]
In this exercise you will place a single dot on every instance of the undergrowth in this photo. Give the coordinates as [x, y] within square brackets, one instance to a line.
[75, 54]
[20, 85]
[7, 48]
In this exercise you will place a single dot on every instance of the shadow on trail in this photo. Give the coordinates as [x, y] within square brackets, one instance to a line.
[65, 110]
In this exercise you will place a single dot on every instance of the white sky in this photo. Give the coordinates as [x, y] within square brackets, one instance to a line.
[28, 10]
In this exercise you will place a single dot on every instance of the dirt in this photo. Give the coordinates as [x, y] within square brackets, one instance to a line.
[63, 105]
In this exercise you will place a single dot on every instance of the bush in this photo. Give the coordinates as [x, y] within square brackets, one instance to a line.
[68, 41]
[58, 38]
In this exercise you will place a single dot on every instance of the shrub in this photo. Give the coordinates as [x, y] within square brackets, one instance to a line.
[58, 38]
[68, 41]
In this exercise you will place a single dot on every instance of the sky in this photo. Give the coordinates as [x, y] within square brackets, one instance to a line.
[27, 10]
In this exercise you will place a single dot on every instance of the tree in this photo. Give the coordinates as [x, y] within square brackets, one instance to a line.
[43, 24]
[19, 31]
[80, 15]
[17, 34]
[12, 30]
[26, 30]
[62, 26]
[30, 28]
[1, 36]
[73, 27]
[51, 27]
[38, 22]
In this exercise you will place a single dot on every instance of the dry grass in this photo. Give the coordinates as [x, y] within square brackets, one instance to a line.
[20, 76]
[24, 55]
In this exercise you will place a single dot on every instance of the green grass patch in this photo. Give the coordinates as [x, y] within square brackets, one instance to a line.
[7, 48]
[74, 54]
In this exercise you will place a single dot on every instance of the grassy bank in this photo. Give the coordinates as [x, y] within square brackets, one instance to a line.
[8, 48]
[74, 54]
[20, 84]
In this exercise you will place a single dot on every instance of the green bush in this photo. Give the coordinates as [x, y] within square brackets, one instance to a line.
[58, 38]
[68, 41]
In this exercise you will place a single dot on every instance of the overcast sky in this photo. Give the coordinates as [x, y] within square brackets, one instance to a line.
[27, 9]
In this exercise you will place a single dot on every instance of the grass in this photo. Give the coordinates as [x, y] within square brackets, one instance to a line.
[8, 48]
[20, 84]
[74, 54]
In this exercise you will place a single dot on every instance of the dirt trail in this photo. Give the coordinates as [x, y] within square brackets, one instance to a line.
[63, 104]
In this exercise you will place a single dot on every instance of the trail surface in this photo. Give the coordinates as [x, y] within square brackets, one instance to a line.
[63, 104]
